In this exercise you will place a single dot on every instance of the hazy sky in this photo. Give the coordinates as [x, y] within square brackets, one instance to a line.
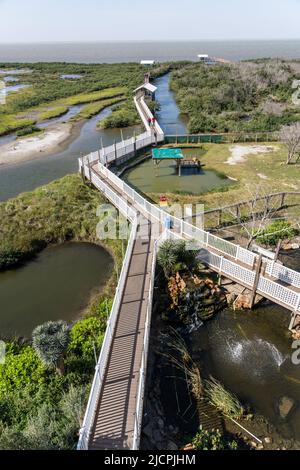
[92, 20]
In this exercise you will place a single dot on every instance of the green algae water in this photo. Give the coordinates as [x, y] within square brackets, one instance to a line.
[164, 178]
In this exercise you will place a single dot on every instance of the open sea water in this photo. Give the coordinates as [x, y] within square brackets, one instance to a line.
[134, 51]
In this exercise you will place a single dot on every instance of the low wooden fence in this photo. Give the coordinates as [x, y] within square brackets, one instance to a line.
[272, 203]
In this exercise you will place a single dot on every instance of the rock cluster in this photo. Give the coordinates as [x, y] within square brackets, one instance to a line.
[194, 298]
[156, 434]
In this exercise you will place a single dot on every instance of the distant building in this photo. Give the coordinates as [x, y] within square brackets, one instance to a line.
[148, 62]
[147, 89]
[206, 59]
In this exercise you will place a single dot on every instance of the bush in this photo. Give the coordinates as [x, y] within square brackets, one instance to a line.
[27, 131]
[212, 440]
[22, 369]
[86, 334]
[275, 231]
[120, 117]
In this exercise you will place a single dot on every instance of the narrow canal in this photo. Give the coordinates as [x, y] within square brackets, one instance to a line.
[30, 175]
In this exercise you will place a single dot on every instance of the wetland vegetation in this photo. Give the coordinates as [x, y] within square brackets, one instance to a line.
[251, 96]
[41, 409]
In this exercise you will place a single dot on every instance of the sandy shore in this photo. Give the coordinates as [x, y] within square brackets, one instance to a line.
[240, 152]
[30, 148]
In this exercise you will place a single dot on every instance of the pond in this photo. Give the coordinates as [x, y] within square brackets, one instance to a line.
[163, 179]
[250, 353]
[14, 88]
[71, 76]
[57, 285]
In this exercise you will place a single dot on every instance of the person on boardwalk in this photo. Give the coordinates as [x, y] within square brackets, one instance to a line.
[149, 121]
[153, 121]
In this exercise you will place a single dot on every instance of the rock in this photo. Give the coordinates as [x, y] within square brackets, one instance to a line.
[161, 446]
[161, 423]
[189, 447]
[230, 297]
[260, 447]
[242, 302]
[268, 440]
[172, 446]
[253, 444]
[285, 406]
[157, 436]
[291, 246]
[148, 430]
[296, 334]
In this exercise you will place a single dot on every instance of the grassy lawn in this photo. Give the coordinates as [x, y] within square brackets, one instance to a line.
[248, 174]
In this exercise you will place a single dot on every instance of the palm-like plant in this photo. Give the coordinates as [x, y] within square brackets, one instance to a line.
[50, 341]
[173, 256]
[167, 257]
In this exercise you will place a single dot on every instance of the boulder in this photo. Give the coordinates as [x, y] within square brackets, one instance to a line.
[189, 447]
[230, 297]
[285, 406]
[157, 436]
[148, 430]
[161, 423]
[172, 446]
[268, 440]
[242, 302]
[291, 246]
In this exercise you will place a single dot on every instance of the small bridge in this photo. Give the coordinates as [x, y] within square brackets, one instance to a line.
[114, 412]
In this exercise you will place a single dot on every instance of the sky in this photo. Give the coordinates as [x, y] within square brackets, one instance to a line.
[24, 21]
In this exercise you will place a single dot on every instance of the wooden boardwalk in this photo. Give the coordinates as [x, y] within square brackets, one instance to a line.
[115, 414]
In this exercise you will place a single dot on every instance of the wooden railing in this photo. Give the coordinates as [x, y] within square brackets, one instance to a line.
[234, 210]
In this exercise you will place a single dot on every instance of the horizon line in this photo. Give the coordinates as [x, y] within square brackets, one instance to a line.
[70, 41]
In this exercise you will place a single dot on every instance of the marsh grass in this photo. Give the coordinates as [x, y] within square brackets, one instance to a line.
[226, 402]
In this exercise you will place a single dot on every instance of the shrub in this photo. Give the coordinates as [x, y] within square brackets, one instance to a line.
[212, 440]
[86, 334]
[22, 368]
[276, 231]
[27, 131]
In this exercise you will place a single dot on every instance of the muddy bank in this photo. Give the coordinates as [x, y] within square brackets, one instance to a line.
[56, 138]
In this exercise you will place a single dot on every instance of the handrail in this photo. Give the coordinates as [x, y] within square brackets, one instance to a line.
[214, 251]
[216, 244]
[84, 434]
[143, 369]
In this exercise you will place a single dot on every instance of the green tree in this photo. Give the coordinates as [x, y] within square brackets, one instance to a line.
[51, 341]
